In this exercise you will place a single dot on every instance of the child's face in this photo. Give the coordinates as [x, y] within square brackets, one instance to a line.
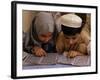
[71, 40]
[45, 37]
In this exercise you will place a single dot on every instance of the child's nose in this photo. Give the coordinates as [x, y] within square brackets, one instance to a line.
[71, 41]
[47, 39]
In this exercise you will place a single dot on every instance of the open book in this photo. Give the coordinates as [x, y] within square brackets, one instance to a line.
[55, 58]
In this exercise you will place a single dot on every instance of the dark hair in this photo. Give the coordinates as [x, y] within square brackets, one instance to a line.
[70, 31]
[82, 16]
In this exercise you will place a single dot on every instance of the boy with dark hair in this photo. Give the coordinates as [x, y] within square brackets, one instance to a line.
[71, 40]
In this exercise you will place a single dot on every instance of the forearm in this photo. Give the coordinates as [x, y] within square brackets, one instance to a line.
[82, 49]
[72, 53]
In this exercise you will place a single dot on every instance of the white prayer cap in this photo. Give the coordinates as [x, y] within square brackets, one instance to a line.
[71, 20]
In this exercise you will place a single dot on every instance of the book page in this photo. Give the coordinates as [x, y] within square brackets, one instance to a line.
[50, 58]
[65, 60]
[77, 61]
[24, 55]
[82, 61]
[30, 59]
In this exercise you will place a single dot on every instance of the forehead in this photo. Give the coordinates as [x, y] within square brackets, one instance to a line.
[71, 36]
[47, 34]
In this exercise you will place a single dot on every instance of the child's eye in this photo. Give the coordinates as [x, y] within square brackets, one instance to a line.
[74, 38]
[43, 36]
[66, 38]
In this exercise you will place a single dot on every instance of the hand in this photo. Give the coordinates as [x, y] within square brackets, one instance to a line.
[72, 54]
[65, 53]
[38, 51]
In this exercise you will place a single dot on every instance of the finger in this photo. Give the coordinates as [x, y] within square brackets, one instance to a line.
[65, 54]
[38, 53]
[71, 55]
[74, 54]
[41, 52]
[44, 53]
[68, 55]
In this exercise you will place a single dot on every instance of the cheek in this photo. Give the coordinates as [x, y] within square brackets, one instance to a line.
[41, 38]
[45, 39]
[50, 37]
[75, 41]
[67, 40]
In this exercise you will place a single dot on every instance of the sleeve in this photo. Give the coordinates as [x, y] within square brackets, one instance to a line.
[89, 48]
[26, 42]
[60, 43]
[85, 39]
[85, 35]
[82, 48]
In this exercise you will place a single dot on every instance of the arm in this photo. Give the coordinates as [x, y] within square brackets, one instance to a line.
[80, 51]
[26, 42]
[60, 43]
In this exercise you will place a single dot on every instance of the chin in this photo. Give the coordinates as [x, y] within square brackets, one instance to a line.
[44, 42]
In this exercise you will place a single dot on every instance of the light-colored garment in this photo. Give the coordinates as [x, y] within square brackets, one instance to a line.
[44, 23]
[41, 24]
[80, 46]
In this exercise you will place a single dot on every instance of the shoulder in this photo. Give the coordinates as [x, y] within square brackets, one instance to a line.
[61, 34]
[85, 36]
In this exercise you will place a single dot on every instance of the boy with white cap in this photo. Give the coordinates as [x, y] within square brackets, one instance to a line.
[70, 40]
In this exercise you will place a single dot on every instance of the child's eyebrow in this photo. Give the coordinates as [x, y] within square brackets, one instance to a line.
[70, 36]
[46, 35]
[43, 35]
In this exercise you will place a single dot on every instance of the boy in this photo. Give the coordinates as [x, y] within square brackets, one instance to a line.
[72, 40]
